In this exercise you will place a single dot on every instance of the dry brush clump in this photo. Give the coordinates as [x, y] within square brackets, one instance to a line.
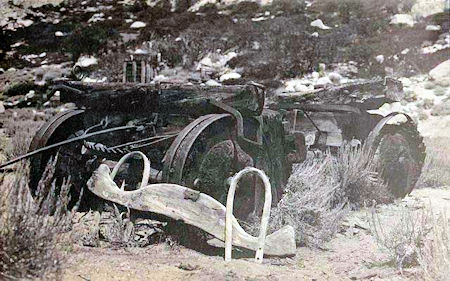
[436, 170]
[321, 190]
[31, 228]
[416, 238]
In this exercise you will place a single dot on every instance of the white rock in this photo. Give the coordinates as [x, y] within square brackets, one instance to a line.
[59, 34]
[323, 81]
[140, 52]
[315, 34]
[425, 8]
[93, 80]
[229, 76]
[24, 23]
[319, 24]
[212, 83]
[405, 51]
[259, 19]
[86, 61]
[335, 77]
[138, 24]
[315, 75]
[298, 85]
[404, 19]
[432, 27]
[41, 55]
[30, 94]
[379, 59]
[441, 73]
[2, 107]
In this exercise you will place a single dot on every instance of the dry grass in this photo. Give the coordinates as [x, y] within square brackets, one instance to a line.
[436, 170]
[434, 257]
[31, 229]
[321, 190]
[416, 238]
[20, 126]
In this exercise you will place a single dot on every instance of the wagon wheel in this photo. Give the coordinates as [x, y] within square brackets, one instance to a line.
[204, 156]
[401, 153]
[70, 162]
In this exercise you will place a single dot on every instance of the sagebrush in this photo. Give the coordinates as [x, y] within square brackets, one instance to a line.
[31, 228]
[417, 238]
[322, 189]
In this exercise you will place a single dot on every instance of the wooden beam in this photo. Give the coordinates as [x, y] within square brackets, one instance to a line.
[192, 207]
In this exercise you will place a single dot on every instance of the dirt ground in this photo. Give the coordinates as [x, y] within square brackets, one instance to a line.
[352, 255]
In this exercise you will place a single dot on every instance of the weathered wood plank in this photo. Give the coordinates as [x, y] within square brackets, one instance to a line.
[201, 210]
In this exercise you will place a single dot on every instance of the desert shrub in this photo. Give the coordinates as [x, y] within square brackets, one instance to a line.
[20, 129]
[88, 40]
[321, 190]
[403, 237]
[417, 238]
[30, 229]
[434, 256]
[436, 170]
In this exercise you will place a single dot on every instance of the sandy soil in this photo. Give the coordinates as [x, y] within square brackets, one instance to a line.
[352, 255]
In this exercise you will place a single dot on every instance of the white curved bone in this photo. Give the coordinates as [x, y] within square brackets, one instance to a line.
[145, 173]
[264, 219]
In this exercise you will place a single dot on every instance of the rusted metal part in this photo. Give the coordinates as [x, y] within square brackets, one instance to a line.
[170, 154]
[264, 218]
[180, 151]
[65, 142]
[319, 107]
[41, 138]
[377, 129]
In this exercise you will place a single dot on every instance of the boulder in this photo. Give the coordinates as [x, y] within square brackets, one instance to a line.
[441, 73]
[425, 8]
[230, 76]
[319, 24]
[402, 19]
[138, 24]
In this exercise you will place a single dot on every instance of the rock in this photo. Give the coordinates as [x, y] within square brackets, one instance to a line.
[59, 34]
[297, 85]
[379, 59]
[319, 24]
[138, 24]
[214, 62]
[323, 81]
[24, 23]
[315, 75]
[86, 61]
[433, 27]
[441, 73]
[335, 77]
[212, 83]
[2, 107]
[425, 8]
[402, 19]
[229, 76]
[406, 255]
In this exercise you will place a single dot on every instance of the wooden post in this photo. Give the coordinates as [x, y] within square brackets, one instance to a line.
[124, 77]
[143, 71]
[134, 71]
[148, 73]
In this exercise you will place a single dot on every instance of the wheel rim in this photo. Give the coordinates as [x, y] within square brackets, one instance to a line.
[398, 166]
